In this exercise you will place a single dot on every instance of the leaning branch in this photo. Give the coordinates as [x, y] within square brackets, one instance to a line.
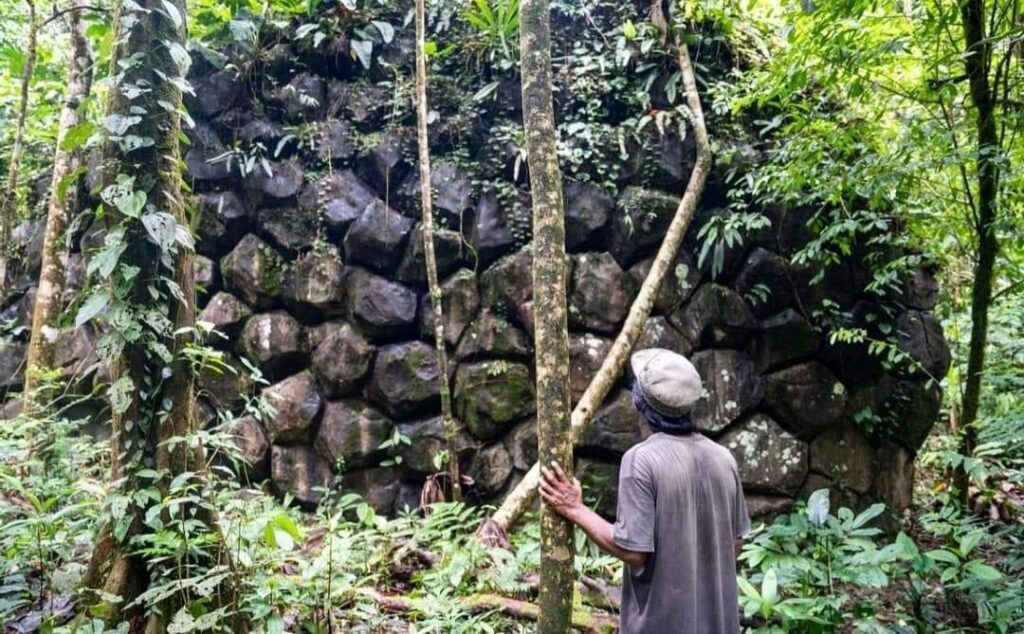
[523, 495]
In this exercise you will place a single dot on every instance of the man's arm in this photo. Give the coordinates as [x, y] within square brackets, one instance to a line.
[565, 496]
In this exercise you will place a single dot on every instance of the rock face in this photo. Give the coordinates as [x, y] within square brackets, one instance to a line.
[491, 395]
[274, 341]
[341, 359]
[255, 272]
[807, 398]
[352, 432]
[404, 379]
[733, 388]
[296, 402]
[770, 458]
[315, 285]
[313, 268]
[601, 295]
[381, 308]
[252, 445]
[299, 472]
[377, 238]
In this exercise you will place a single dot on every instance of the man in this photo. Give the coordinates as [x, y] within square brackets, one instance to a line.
[680, 511]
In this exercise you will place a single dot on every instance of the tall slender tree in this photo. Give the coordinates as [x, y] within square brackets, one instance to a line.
[145, 288]
[549, 307]
[62, 205]
[427, 228]
[9, 196]
[988, 85]
[519, 498]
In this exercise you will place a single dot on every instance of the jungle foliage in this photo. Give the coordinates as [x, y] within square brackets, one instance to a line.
[869, 112]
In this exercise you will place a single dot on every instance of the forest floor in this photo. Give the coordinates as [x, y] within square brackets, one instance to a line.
[346, 569]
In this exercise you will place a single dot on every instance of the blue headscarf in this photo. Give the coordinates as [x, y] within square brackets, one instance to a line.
[658, 421]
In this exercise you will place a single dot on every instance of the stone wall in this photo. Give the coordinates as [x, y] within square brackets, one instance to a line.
[310, 262]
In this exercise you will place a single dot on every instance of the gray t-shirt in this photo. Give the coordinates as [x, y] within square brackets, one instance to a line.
[680, 499]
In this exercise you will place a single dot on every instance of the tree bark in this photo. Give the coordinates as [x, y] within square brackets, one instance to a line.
[9, 196]
[977, 65]
[151, 431]
[427, 227]
[62, 206]
[549, 308]
[523, 495]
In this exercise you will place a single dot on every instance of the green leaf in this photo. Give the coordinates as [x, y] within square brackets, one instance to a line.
[162, 228]
[77, 136]
[118, 124]
[747, 588]
[68, 180]
[770, 587]
[173, 13]
[868, 514]
[363, 51]
[943, 556]
[982, 571]
[105, 260]
[287, 524]
[91, 307]
[180, 57]
[969, 541]
[817, 507]
[387, 32]
[629, 30]
[120, 394]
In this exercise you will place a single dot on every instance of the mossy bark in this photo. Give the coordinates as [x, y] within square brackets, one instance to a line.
[148, 433]
[549, 308]
[427, 227]
[522, 496]
[9, 196]
[62, 205]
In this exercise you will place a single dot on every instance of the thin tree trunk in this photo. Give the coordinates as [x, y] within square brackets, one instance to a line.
[549, 308]
[62, 205]
[427, 205]
[153, 421]
[522, 496]
[9, 196]
[977, 63]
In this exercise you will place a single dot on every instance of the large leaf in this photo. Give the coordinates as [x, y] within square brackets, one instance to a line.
[118, 124]
[91, 307]
[387, 32]
[120, 394]
[817, 507]
[162, 228]
[363, 51]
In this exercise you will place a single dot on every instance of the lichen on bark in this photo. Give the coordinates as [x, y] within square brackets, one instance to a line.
[549, 306]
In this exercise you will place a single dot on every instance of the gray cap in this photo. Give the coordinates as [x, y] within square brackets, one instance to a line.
[668, 381]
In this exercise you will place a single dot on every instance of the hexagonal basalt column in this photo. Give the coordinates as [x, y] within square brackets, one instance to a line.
[770, 459]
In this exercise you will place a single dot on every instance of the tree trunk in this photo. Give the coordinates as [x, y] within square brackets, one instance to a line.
[549, 308]
[427, 222]
[521, 497]
[977, 64]
[151, 312]
[9, 196]
[62, 206]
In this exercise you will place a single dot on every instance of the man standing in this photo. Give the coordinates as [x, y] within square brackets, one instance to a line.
[680, 510]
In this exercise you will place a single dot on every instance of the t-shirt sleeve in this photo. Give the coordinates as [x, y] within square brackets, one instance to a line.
[635, 519]
[741, 518]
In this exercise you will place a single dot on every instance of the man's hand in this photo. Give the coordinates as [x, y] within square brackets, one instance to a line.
[563, 494]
